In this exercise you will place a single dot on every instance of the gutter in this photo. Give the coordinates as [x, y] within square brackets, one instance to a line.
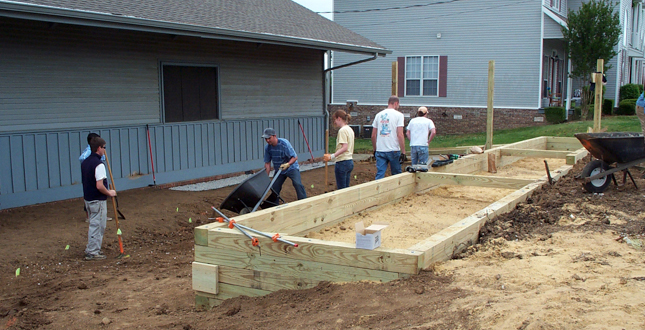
[117, 21]
[325, 72]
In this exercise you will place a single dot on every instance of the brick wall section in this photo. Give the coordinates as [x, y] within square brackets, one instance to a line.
[473, 120]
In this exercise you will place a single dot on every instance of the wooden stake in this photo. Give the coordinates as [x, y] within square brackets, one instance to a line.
[395, 76]
[597, 109]
[492, 166]
[326, 151]
[489, 109]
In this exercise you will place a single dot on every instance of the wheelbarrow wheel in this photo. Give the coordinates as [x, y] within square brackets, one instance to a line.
[598, 185]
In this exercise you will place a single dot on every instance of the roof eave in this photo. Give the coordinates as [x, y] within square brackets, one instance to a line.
[75, 17]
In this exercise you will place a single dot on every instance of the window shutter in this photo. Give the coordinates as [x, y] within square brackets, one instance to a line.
[443, 76]
[401, 76]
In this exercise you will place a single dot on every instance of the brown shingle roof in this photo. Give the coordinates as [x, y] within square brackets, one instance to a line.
[271, 20]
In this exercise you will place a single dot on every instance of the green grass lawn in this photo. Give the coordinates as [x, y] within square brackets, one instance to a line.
[612, 123]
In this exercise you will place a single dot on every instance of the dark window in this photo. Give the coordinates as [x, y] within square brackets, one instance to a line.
[190, 92]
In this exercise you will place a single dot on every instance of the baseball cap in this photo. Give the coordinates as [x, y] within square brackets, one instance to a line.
[268, 132]
[423, 110]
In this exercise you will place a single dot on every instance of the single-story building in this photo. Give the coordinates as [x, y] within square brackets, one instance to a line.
[201, 78]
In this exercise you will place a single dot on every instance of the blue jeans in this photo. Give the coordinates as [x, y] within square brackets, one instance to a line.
[343, 171]
[294, 175]
[383, 158]
[419, 154]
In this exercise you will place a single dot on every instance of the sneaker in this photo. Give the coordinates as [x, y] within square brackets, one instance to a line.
[109, 219]
[99, 256]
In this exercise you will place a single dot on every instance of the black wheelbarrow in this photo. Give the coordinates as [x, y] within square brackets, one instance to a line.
[613, 152]
[249, 195]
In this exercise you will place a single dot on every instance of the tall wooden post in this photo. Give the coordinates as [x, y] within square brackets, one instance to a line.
[489, 109]
[597, 109]
[395, 78]
[326, 151]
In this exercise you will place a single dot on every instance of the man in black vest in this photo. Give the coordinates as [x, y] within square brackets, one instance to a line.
[95, 193]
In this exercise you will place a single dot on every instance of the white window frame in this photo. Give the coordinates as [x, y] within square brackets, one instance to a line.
[556, 4]
[421, 79]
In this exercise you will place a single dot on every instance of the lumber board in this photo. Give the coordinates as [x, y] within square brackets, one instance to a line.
[227, 291]
[205, 277]
[201, 233]
[460, 150]
[562, 139]
[443, 245]
[340, 213]
[563, 146]
[562, 143]
[294, 268]
[314, 212]
[559, 154]
[206, 301]
[337, 253]
[534, 143]
[471, 180]
[577, 155]
[269, 281]
[467, 164]
[452, 240]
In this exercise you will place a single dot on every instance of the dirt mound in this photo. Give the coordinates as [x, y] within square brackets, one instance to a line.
[152, 289]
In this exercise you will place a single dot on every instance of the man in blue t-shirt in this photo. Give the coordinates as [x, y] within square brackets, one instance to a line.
[280, 152]
[640, 110]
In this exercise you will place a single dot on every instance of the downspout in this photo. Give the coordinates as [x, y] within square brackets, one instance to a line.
[325, 72]
[569, 89]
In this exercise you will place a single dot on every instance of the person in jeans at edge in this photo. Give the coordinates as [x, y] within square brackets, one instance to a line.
[280, 152]
[95, 194]
[388, 141]
[640, 110]
[418, 130]
[344, 149]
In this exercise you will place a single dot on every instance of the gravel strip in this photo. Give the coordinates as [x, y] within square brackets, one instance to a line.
[216, 184]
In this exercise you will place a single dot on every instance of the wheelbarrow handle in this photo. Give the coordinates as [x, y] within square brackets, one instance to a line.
[275, 176]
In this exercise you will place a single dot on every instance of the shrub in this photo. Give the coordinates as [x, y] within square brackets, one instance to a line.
[626, 107]
[577, 111]
[630, 91]
[554, 115]
[607, 106]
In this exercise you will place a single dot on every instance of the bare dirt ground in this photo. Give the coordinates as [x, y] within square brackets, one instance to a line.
[555, 262]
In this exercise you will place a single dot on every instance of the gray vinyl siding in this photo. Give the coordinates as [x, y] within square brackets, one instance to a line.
[43, 166]
[59, 82]
[61, 76]
[472, 34]
[552, 29]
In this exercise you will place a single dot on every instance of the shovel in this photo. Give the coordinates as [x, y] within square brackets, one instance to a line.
[116, 212]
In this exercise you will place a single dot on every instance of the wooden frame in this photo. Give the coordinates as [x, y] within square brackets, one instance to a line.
[238, 268]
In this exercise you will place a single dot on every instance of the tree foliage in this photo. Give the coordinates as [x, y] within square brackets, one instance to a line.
[592, 34]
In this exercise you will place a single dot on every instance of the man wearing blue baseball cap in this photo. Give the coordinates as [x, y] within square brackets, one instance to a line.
[280, 152]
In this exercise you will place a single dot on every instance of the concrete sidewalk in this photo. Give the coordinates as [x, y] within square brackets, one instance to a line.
[216, 184]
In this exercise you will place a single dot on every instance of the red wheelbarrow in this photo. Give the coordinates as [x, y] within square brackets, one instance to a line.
[614, 152]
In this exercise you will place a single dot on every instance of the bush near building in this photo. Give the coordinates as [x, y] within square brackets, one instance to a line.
[555, 115]
[626, 107]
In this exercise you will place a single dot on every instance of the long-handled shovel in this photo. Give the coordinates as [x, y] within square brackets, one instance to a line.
[116, 212]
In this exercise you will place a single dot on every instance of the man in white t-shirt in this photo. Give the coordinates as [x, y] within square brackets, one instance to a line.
[388, 141]
[95, 194]
[418, 130]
